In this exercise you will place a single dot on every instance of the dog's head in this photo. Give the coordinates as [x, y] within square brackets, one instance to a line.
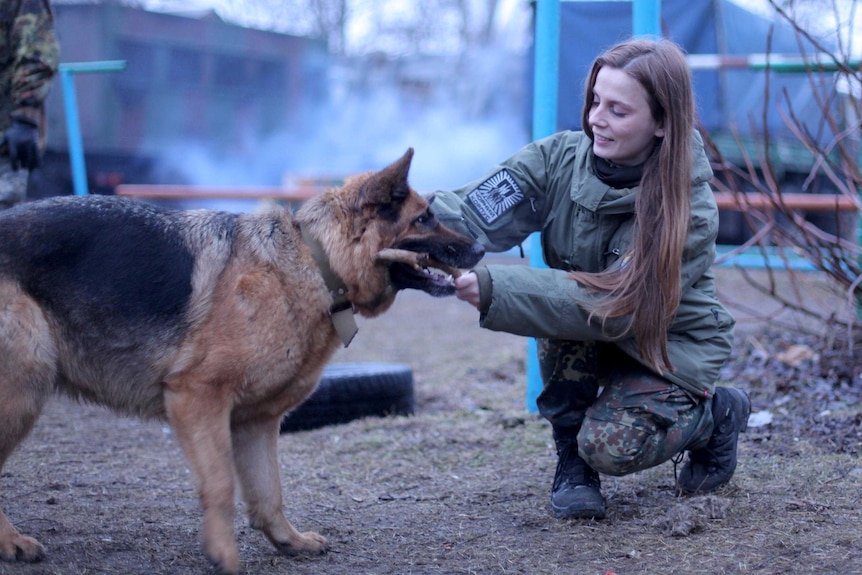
[388, 238]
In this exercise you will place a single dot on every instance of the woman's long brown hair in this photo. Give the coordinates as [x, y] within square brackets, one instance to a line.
[647, 289]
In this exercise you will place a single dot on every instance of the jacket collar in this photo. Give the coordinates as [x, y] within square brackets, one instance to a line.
[589, 191]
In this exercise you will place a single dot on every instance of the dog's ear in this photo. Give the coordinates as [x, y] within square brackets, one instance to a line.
[389, 185]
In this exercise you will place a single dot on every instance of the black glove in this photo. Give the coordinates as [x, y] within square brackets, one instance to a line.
[22, 139]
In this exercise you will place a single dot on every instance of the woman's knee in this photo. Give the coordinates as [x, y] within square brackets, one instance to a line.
[617, 448]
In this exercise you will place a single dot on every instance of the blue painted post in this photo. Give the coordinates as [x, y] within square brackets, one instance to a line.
[646, 20]
[646, 17]
[73, 133]
[545, 89]
[73, 124]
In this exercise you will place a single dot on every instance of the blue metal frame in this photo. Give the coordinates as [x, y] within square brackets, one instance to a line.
[646, 21]
[73, 123]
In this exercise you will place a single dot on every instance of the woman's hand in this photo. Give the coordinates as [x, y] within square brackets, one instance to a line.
[467, 289]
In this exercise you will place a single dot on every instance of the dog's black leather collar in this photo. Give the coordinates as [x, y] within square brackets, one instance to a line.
[341, 311]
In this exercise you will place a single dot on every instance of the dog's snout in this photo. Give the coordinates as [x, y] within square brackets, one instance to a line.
[466, 258]
[478, 250]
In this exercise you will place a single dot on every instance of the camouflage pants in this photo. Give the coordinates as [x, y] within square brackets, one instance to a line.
[13, 184]
[625, 417]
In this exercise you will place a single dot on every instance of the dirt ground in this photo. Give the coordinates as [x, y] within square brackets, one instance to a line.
[462, 486]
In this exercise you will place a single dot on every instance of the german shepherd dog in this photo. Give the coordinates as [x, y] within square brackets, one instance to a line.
[217, 322]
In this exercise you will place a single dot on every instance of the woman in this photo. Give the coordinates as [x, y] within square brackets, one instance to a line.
[631, 337]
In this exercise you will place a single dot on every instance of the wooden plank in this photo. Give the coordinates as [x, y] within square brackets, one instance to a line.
[796, 201]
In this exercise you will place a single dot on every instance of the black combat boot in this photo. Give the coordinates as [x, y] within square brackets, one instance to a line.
[712, 466]
[576, 493]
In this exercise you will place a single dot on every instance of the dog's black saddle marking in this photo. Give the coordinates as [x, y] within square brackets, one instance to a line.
[117, 258]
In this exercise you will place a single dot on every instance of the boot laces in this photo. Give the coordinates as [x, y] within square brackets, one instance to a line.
[677, 459]
[572, 469]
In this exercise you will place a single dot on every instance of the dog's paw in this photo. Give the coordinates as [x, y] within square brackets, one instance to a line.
[308, 542]
[315, 543]
[226, 566]
[224, 557]
[21, 548]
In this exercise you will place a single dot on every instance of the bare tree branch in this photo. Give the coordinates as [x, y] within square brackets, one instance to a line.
[833, 140]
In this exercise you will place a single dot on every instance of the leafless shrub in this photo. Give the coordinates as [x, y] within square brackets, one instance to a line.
[779, 228]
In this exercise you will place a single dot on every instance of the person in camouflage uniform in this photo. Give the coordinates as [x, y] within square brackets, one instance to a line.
[29, 56]
[631, 338]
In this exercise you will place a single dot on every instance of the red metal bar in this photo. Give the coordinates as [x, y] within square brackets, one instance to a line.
[169, 192]
[797, 201]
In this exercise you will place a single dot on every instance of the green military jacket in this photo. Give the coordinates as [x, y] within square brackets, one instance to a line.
[550, 187]
[29, 56]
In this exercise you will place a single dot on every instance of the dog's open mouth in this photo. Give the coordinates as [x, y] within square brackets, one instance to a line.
[421, 271]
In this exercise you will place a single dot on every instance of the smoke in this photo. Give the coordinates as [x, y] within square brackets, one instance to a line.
[460, 123]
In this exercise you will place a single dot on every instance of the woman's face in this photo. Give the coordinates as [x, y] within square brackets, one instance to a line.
[624, 130]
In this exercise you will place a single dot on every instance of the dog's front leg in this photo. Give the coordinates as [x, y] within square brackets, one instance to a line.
[201, 420]
[256, 454]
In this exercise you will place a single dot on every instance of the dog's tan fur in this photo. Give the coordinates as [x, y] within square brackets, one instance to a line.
[250, 344]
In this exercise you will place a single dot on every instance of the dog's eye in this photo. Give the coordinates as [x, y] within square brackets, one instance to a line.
[426, 219]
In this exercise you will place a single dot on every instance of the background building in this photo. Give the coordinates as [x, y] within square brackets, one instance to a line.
[189, 79]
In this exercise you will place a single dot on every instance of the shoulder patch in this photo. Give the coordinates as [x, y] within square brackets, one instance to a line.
[496, 196]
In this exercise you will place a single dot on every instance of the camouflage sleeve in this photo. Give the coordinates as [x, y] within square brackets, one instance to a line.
[35, 60]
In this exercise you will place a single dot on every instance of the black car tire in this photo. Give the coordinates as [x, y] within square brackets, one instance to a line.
[349, 391]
